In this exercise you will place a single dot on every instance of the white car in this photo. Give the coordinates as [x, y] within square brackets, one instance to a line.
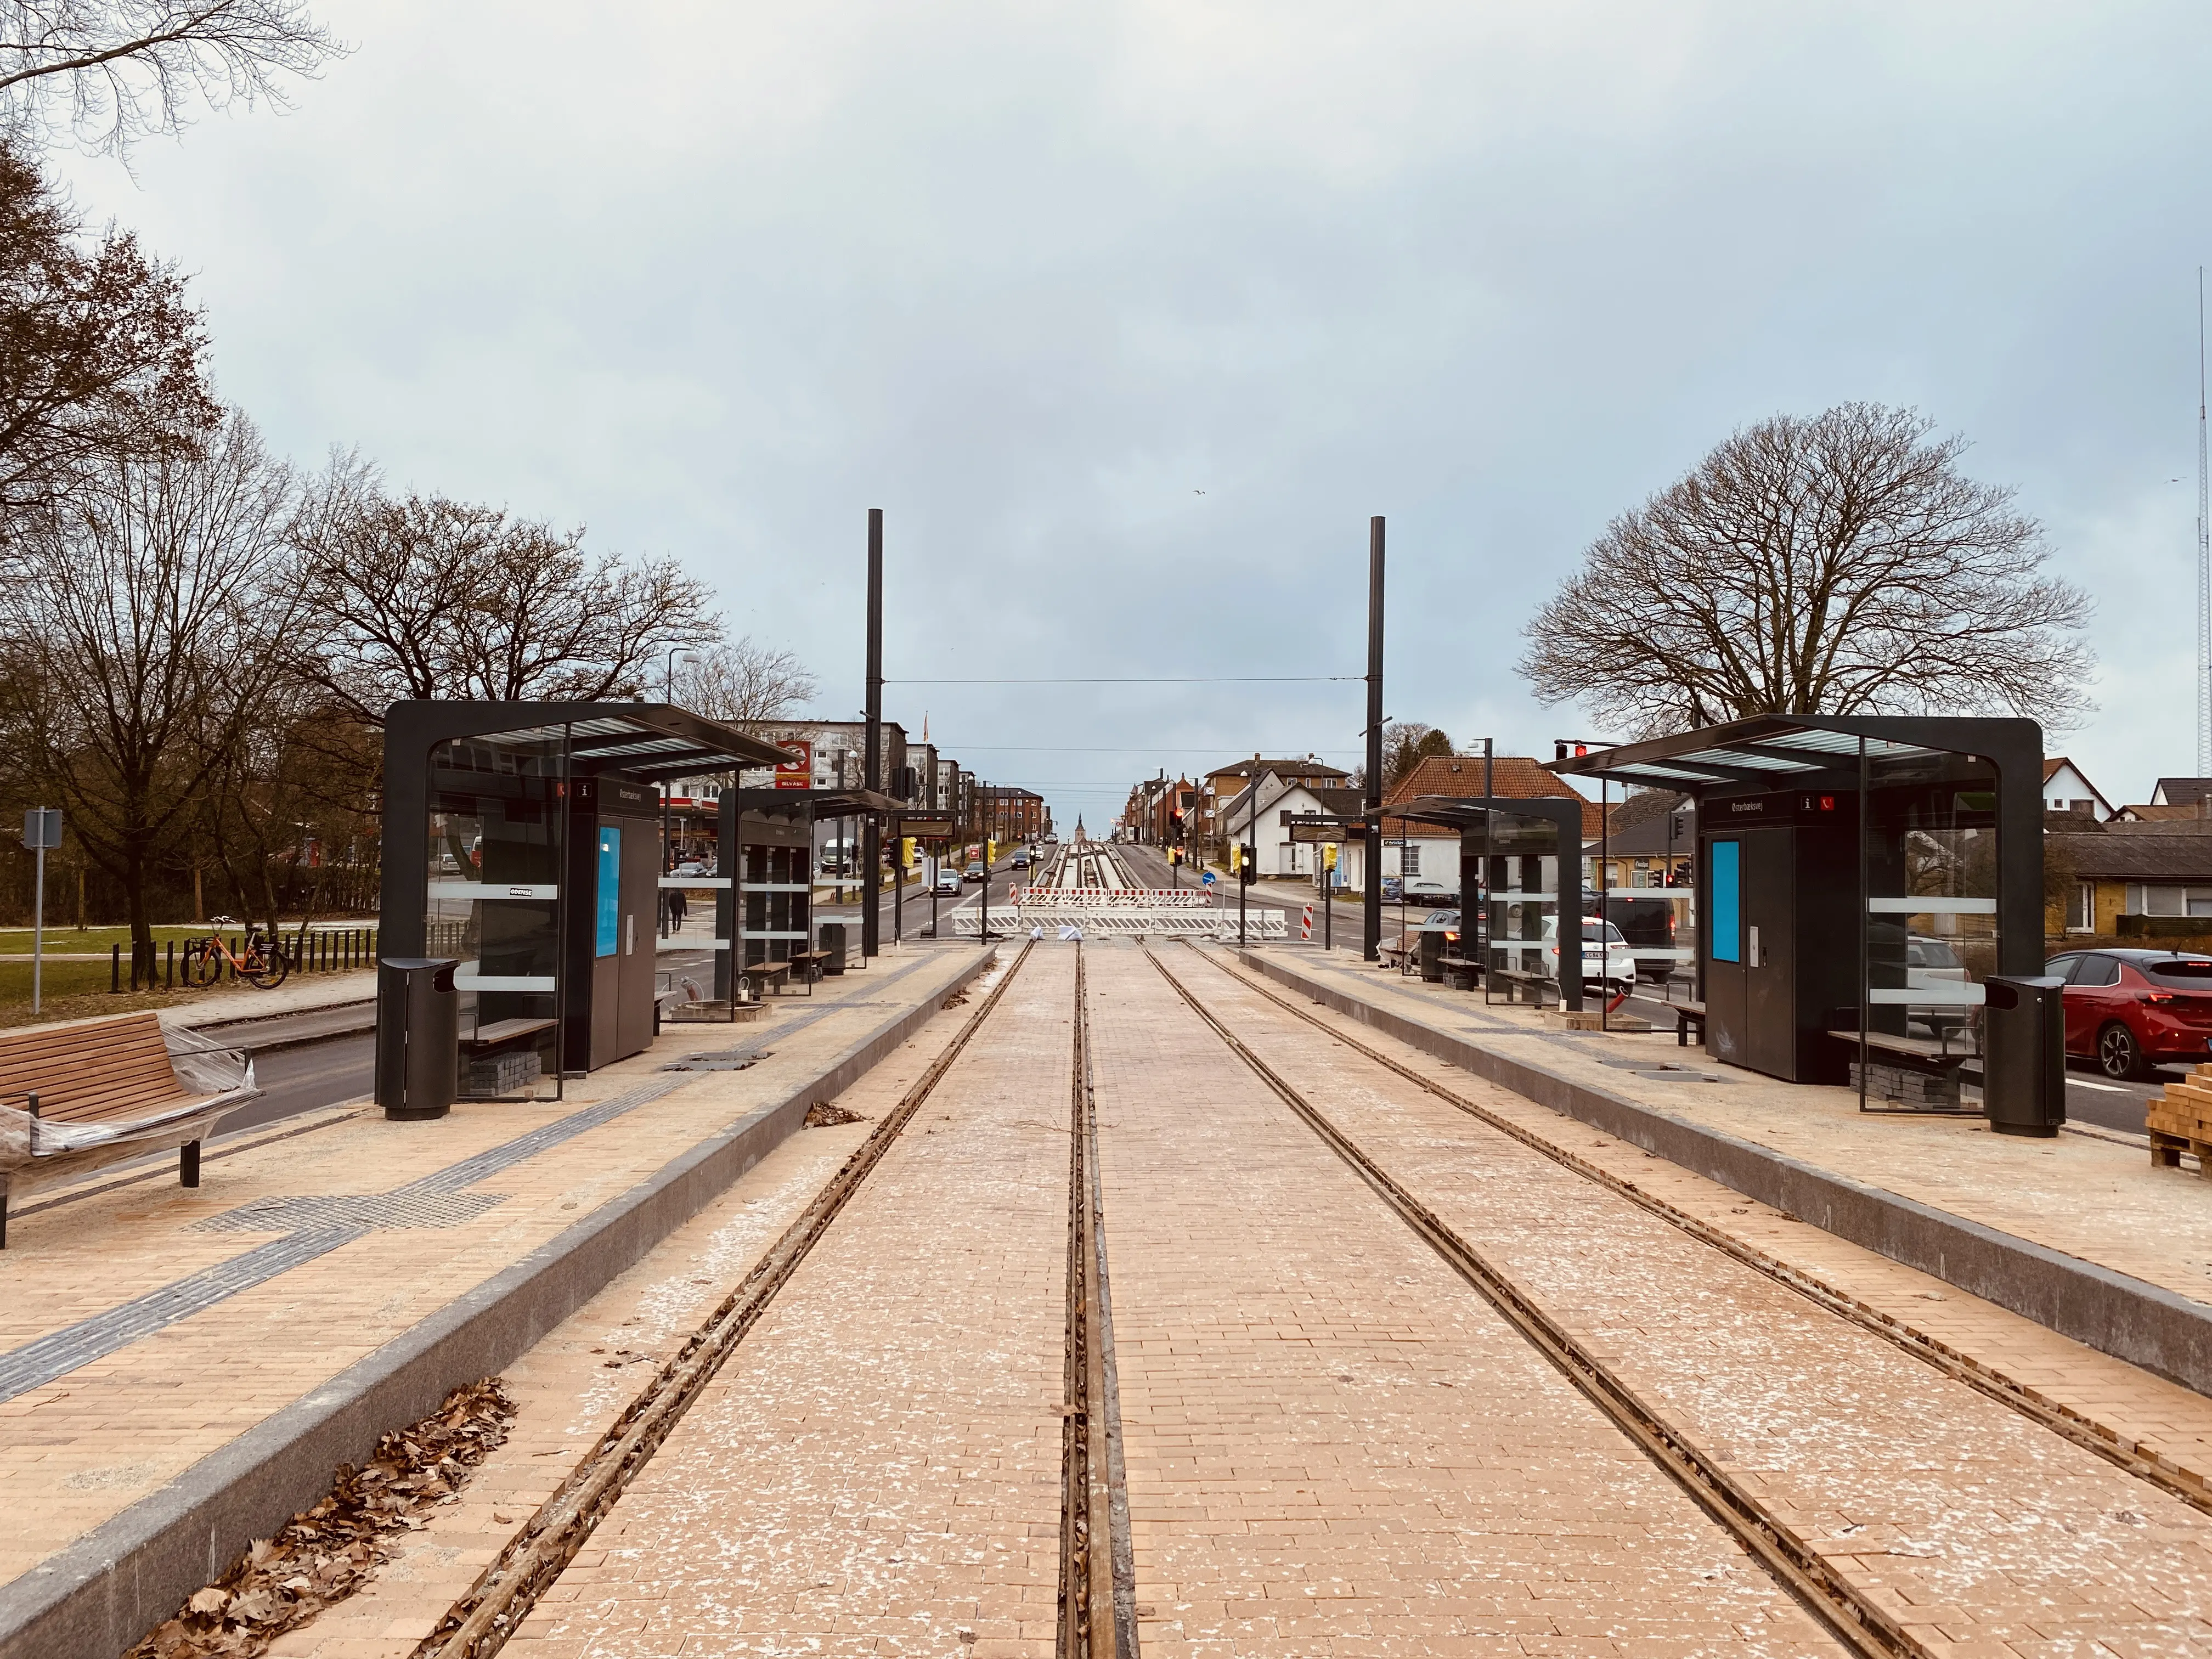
[948, 883]
[1608, 960]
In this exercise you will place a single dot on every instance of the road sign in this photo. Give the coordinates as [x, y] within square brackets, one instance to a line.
[42, 827]
[1208, 877]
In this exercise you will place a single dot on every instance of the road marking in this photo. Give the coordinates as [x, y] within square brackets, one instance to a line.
[2105, 1088]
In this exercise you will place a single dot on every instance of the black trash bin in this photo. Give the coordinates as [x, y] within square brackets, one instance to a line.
[418, 1037]
[1432, 956]
[833, 941]
[2024, 1054]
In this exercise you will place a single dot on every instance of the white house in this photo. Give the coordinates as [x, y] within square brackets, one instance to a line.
[2066, 790]
[1280, 799]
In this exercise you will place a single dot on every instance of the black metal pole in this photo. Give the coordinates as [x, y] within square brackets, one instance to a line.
[1489, 845]
[1372, 903]
[871, 845]
[1604, 947]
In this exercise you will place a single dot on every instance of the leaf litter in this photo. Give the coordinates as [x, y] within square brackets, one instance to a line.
[332, 1549]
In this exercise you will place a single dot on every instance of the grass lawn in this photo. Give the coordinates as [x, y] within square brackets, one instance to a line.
[65, 940]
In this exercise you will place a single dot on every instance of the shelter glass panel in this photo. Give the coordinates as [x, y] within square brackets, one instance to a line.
[492, 901]
[1930, 880]
[1521, 888]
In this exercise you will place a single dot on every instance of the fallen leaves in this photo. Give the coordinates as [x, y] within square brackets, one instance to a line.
[823, 1115]
[331, 1551]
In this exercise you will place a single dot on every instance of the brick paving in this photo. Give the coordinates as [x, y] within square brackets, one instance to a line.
[1335, 1446]
[570, 1387]
[1971, 1525]
[2167, 1420]
[79, 1447]
[877, 1468]
[2084, 1195]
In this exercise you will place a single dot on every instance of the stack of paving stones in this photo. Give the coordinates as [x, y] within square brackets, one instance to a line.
[2180, 1119]
[1909, 1087]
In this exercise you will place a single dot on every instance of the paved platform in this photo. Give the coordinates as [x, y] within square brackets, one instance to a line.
[152, 1337]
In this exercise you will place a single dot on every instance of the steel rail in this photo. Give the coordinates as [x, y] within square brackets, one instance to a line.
[1092, 1545]
[479, 1624]
[2056, 1416]
[1861, 1624]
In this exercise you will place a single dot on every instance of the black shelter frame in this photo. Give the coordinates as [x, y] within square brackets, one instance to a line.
[547, 748]
[1474, 816]
[782, 820]
[1853, 761]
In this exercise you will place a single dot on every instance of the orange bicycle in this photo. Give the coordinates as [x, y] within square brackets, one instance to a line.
[261, 962]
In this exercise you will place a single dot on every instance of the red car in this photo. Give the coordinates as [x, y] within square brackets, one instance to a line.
[2132, 1010]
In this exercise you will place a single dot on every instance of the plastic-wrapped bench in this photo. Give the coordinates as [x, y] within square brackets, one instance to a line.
[74, 1098]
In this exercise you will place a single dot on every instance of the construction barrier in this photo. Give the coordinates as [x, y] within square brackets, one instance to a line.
[1259, 924]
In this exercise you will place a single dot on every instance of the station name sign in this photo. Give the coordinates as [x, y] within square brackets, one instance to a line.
[1321, 827]
[932, 828]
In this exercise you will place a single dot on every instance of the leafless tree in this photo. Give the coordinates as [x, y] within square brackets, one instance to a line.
[103, 74]
[100, 353]
[426, 597]
[744, 683]
[1841, 564]
[1405, 745]
[145, 612]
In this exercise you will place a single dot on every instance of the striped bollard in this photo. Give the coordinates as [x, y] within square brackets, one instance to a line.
[1305, 924]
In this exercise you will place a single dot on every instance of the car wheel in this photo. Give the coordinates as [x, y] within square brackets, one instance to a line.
[2118, 1054]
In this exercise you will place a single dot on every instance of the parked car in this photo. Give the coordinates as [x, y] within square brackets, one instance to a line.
[694, 867]
[2130, 1010]
[1648, 924]
[1608, 961]
[948, 881]
[974, 872]
[1427, 890]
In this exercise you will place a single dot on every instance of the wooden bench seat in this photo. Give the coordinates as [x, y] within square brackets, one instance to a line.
[115, 1074]
[1687, 1014]
[762, 974]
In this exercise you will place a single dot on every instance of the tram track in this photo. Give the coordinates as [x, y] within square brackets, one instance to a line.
[1862, 1623]
[480, 1623]
[2055, 1416]
[1097, 1576]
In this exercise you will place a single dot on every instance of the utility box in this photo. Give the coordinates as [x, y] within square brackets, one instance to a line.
[2024, 1055]
[614, 869]
[418, 1037]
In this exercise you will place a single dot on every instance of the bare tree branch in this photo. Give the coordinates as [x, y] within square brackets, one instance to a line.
[425, 596]
[745, 683]
[103, 74]
[1838, 565]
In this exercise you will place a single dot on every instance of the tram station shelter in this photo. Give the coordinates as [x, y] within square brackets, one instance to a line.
[1524, 855]
[523, 841]
[769, 911]
[1878, 865]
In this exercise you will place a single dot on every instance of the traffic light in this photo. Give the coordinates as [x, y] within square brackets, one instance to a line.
[1248, 865]
[1175, 856]
[1175, 826]
[1328, 856]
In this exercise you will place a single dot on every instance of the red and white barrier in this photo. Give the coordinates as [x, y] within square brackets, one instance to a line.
[1305, 924]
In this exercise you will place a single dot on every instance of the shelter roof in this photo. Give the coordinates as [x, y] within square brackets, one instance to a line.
[645, 739]
[1459, 777]
[1782, 751]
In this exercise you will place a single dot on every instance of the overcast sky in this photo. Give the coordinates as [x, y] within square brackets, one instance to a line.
[715, 279]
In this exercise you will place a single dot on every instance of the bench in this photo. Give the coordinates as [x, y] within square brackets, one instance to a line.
[116, 1076]
[1461, 973]
[812, 964]
[1517, 981]
[759, 976]
[1909, 1060]
[1687, 1014]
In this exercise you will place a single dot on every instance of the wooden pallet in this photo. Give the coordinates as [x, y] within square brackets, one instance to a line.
[2180, 1120]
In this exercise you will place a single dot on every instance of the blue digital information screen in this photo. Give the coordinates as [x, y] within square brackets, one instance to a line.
[609, 895]
[1727, 911]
